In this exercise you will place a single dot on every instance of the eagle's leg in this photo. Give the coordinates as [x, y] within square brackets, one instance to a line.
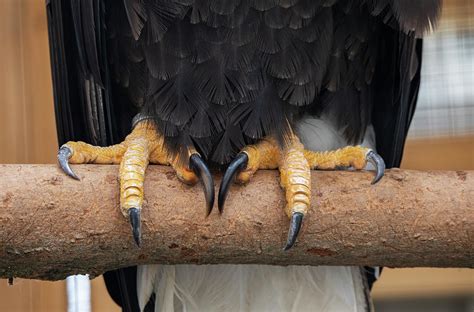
[294, 163]
[142, 146]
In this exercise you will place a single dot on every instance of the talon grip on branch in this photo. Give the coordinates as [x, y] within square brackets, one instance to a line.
[238, 164]
[200, 169]
[295, 226]
[135, 222]
[64, 154]
[378, 163]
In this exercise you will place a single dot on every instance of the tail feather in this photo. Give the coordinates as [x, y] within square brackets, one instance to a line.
[253, 288]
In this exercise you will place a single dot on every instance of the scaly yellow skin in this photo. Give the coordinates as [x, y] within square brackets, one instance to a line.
[295, 178]
[144, 145]
[294, 163]
[349, 156]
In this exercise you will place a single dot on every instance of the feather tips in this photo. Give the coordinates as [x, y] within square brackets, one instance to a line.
[417, 16]
[253, 288]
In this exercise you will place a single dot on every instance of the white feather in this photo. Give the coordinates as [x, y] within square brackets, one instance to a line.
[209, 288]
[321, 135]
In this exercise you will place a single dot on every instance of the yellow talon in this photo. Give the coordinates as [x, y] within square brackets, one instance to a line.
[83, 153]
[295, 176]
[349, 156]
[263, 155]
[142, 146]
[293, 166]
[294, 163]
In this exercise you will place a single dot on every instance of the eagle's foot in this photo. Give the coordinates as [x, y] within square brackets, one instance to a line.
[294, 176]
[144, 145]
[294, 163]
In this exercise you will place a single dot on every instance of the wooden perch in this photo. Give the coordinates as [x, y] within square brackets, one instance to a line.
[52, 226]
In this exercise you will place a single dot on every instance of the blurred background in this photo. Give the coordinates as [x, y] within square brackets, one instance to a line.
[441, 138]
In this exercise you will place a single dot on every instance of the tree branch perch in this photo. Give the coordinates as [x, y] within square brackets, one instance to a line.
[52, 226]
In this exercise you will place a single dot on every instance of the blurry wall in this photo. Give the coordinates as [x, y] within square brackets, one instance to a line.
[27, 130]
[27, 135]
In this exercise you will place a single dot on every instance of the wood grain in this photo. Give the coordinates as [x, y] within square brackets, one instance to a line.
[52, 226]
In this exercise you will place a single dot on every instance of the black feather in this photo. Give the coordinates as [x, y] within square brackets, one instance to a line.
[223, 7]
[228, 143]
[137, 16]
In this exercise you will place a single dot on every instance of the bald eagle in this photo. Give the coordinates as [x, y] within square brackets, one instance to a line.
[236, 85]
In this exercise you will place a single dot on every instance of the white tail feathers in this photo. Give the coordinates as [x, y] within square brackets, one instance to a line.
[252, 288]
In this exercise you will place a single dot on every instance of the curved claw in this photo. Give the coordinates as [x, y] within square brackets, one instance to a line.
[134, 214]
[239, 163]
[64, 154]
[200, 169]
[295, 226]
[378, 163]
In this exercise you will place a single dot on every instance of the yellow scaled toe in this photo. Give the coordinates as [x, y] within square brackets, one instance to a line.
[295, 178]
[349, 156]
[83, 153]
[263, 155]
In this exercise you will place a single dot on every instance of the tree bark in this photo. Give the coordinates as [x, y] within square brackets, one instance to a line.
[52, 226]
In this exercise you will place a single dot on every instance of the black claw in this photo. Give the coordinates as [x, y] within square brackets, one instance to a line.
[134, 214]
[239, 163]
[295, 226]
[64, 154]
[378, 163]
[200, 169]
